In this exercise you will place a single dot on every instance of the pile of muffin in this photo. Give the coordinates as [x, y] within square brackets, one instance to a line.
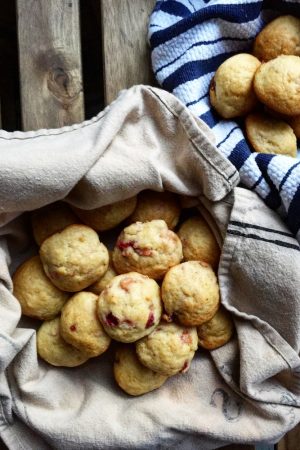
[272, 76]
[158, 308]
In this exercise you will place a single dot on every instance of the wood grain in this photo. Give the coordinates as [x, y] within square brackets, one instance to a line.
[291, 440]
[125, 49]
[50, 63]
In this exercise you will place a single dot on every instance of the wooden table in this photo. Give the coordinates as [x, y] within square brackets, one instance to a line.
[60, 70]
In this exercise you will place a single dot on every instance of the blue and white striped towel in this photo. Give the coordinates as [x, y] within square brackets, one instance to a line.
[189, 40]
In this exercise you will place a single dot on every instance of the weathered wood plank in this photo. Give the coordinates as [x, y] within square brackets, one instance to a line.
[50, 63]
[291, 440]
[125, 50]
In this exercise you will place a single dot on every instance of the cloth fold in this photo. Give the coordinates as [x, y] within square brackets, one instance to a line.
[189, 40]
[245, 392]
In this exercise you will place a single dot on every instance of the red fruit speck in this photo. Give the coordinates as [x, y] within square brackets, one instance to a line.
[125, 283]
[142, 251]
[150, 320]
[111, 320]
[122, 245]
[73, 327]
[186, 337]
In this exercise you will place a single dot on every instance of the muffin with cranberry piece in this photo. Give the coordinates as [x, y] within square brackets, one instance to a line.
[169, 349]
[130, 307]
[149, 248]
[80, 326]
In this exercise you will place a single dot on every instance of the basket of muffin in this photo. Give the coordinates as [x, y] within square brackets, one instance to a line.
[264, 88]
[155, 293]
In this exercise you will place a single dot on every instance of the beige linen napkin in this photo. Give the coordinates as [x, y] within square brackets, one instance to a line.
[246, 391]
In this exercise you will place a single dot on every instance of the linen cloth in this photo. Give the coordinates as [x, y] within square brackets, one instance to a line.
[189, 40]
[245, 391]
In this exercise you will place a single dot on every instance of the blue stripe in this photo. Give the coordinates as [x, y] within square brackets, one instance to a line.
[197, 44]
[240, 154]
[287, 175]
[229, 134]
[175, 8]
[198, 100]
[194, 69]
[293, 219]
[152, 25]
[211, 118]
[230, 13]
[256, 183]
[273, 199]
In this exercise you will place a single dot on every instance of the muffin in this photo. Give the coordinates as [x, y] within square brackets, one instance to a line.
[198, 242]
[217, 331]
[74, 258]
[276, 84]
[169, 349]
[231, 91]
[132, 376]
[157, 206]
[280, 37]
[50, 219]
[38, 297]
[108, 216]
[80, 326]
[190, 293]
[130, 307]
[148, 248]
[267, 134]
[52, 348]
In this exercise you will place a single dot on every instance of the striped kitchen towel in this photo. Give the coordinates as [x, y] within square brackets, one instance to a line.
[189, 40]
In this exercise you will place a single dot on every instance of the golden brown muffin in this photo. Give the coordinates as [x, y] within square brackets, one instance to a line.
[190, 293]
[107, 217]
[50, 219]
[148, 248]
[74, 258]
[52, 348]
[217, 331]
[157, 205]
[279, 37]
[267, 134]
[231, 90]
[169, 349]
[80, 326]
[132, 376]
[198, 242]
[277, 84]
[130, 307]
[38, 297]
